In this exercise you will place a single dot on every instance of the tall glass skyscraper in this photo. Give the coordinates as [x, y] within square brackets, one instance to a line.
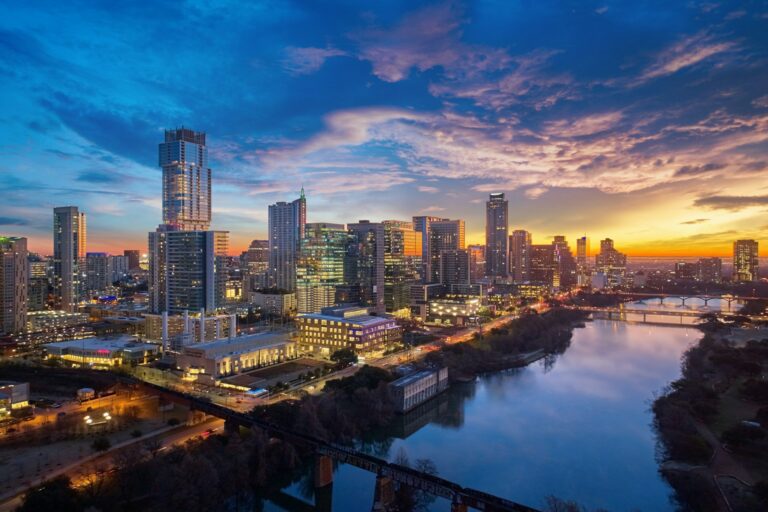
[320, 266]
[186, 180]
[520, 255]
[286, 229]
[69, 241]
[496, 219]
[745, 261]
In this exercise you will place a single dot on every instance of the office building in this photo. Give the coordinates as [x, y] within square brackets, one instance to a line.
[133, 257]
[543, 265]
[421, 226]
[444, 235]
[566, 264]
[320, 265]
[103, 352]
[402, 262]
[745, 261]
[454, 268]
[14, 279]
[496, 236]
[476, 263]
[453, 310]
[342, 327]
[118, 268]
[286, 229]
[176, 331]
[611, 263]
[710, 270]
[686, 271]
[273, 302]
[412, 390]
[255, 265]
[39, 284]
[97, 277]
[14, 396]
[365, 263]
[69, 246]
[183, 156]
[582, 261]
[520, 256]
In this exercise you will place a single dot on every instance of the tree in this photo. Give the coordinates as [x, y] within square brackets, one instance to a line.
[56, 494]
[344, 357]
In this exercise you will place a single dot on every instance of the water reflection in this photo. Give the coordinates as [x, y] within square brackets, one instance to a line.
[581, 431]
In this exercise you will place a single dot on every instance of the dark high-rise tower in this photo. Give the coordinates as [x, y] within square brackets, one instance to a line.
[286, 229]
[69, 236]
[496, 219]
[186, 180]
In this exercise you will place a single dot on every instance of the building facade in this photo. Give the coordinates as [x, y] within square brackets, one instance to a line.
[520, 256]
[14, 279]
[402, 263]
[611, 263]
[496, 236]
[97, 277]
[183, 156]
[365, 263]
[476, 263]
[444, 235]
[286, 230]
[320, 266]
[346, 327]
[745, 261]
[69, 246]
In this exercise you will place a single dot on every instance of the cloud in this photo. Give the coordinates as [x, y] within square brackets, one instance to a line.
[303, 61]
[429, 190]
[687, 52]
[694, 221]
[696, 170]
[101, 177]
[13, 221]
[722, 202]
[432, 208]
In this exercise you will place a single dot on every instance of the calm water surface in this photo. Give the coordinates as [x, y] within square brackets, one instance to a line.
[579, 428]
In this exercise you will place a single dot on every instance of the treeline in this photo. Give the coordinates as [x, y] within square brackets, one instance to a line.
[713, 372]
[501, 348]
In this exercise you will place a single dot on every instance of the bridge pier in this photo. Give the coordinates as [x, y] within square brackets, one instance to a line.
[457, 506]
[683, 299]
[324, 498]
[323, 471]
[384, 494]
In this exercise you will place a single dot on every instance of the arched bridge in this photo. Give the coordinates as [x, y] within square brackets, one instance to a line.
[387, 473]
[705, 298]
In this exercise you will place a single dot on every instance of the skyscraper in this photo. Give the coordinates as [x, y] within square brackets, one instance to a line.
[496, 237]
[566, 264]
[134, 257]
[96, 272]
[69, 245]
[745, 261]
[444, 235]
[402, 262]
[320, 266]
[255, 262]
[520, 255]
[14, 276]
[710, 270]
[421, 225]
[183, 157]
[611, 263]
[582, 260]
[365, 265]
[543, 266]
[286, 229]
[476, 263]
[454, 268]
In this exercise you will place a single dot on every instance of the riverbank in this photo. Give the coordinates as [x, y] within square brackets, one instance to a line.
[713, 423]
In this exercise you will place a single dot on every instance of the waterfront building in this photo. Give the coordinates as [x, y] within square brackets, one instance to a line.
[342, 327]
[444, 235]
[476, 263]
[97, 276]
[69, 246]
[209, 362]
[496, 236]
[103, 352]
[745, 261]
[421, 225]
[611, 263]
[320, 265]
[133, 257]
[454, 268]
[710, 270]
[520, 256]
[366, 262]
[286, 230]
[402, 262]
[183, 156]
[414, 389]
[14, 280]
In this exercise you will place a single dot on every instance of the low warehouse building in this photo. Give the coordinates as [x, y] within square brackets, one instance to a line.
[417, 388]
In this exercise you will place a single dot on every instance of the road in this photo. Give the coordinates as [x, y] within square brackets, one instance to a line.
[77, 470]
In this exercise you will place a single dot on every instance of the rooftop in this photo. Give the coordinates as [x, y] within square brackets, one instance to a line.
[410, 379]
[364, 320]
[242, 343]
[120, 343]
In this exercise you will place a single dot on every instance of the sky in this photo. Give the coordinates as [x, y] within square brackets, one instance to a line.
[642, 121]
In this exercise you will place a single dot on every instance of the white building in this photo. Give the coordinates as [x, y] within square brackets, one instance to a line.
[103, 352]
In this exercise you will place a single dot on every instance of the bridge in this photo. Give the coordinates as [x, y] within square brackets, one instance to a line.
[620, 313]
[387, 473]
[705, 298]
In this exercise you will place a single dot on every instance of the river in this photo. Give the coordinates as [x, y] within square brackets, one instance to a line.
[578, 427]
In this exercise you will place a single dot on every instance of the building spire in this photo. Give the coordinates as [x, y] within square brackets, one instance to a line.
[302, 192]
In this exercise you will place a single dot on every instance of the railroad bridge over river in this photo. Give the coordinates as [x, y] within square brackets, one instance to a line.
[387, 473]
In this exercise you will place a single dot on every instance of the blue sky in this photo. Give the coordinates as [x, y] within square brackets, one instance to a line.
[644, 121]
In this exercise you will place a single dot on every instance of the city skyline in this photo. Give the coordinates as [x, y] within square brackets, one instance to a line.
[397, 112]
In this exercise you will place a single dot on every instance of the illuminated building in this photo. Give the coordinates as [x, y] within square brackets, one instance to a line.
[520, 256]
[346, 327]
[686, 271]
[255, 263]
[710, 270]
[365, 264]
[454, 267]
[412, 390]
[582, 260]
[402, 262]
[745, 261]
[134, 258]
[611, 264]
[320, 266]
[496, 229]
[274, 302]
[421, 225]
[175, 331]
[118, 267]
[208, 362]
[13, 396]
[566, 265]
[453, 311]
[543, 266]
[286, 229]
[183, 157]
[96, 272]
[14, 279]
[476, 263]
[103, 352]
[444, 235]
[69, 243]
